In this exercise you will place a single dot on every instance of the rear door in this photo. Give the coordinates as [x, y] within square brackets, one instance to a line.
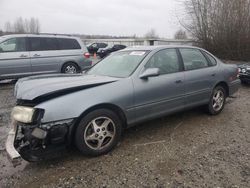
[44, 54]
[14, 58]
[200, 76]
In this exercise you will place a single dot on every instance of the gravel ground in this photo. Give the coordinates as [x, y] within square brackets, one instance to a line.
[189, 149]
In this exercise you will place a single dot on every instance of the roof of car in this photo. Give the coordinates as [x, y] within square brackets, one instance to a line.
[151, 48]
[38, 35]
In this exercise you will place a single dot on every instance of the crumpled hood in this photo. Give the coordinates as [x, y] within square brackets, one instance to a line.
[35, 87]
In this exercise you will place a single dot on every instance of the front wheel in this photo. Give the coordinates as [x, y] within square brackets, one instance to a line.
[217, 101]
[98, 132]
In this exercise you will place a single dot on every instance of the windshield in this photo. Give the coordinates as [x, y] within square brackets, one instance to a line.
[120, 64]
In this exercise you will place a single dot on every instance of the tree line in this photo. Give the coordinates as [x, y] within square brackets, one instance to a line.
[220, 26]
[22, 26]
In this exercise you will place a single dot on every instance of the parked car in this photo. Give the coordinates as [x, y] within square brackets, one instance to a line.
[103, 52]
[25, 55]
[94, 47]
[126, 88]
[244, 73]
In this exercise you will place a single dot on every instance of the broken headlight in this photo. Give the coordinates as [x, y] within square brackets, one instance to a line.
[26, 114]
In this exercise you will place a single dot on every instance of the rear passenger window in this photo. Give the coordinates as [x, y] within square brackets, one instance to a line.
[35, 44]
[193, 59]
[211, 59]
[68, 44]
[49, 44]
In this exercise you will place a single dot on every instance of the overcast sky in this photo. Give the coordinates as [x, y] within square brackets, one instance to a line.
[107, 17]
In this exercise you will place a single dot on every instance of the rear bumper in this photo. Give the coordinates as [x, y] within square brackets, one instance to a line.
[234, 87]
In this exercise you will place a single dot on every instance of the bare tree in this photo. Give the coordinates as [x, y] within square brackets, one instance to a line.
[221, 26]
[21, 25]
[180, 34]
[27, 25]
[8, 27]
[151, 34]
[34, 26]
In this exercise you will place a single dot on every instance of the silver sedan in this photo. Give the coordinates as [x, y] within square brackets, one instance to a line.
[126, 88]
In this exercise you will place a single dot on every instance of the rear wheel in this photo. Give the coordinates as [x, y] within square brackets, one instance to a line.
[98, 132]
[70, 68]
[217, 100]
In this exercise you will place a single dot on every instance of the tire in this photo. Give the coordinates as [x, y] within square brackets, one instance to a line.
[217, 101]
[98, 132]
[70, 68]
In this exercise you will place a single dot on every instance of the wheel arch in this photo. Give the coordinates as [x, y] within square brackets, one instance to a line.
[224, 85]
[70, 61]
[116, 109]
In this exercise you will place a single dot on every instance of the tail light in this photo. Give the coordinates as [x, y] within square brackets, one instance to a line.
[86, 55]
[235, 76]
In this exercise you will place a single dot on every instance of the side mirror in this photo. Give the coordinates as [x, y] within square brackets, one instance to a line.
[150, 72]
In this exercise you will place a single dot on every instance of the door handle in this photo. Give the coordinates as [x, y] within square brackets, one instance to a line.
[213, 74]
[36, 55]
[23, 55]
[178, 81]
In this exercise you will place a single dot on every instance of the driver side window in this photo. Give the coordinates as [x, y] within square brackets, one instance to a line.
[13, 45]
[166, 60]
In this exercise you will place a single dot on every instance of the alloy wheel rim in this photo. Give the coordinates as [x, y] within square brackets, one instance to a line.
[218, 100]
[70, 69]
[99, 133]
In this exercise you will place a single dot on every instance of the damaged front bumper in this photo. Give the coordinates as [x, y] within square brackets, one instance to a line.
[13, 154]
[38, 142]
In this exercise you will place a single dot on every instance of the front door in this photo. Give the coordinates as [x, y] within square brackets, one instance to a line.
[14, 58]
[163, 94]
